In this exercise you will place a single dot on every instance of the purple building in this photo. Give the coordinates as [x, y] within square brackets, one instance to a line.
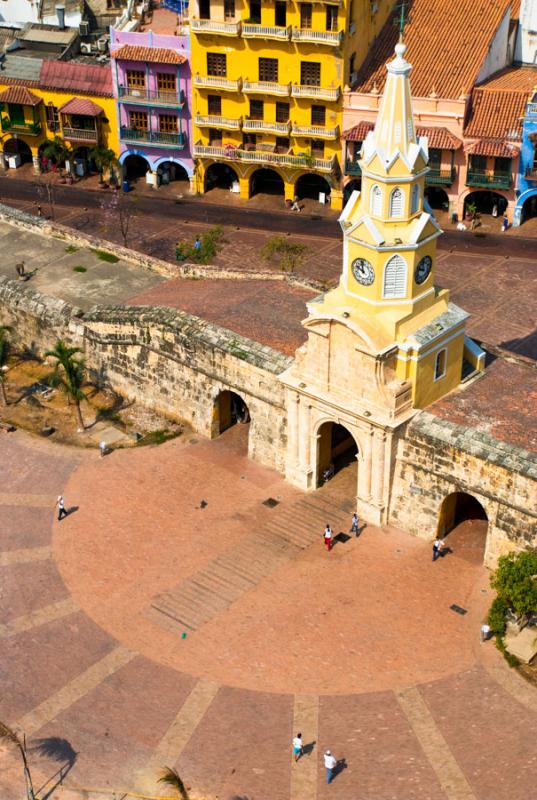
[151, 75]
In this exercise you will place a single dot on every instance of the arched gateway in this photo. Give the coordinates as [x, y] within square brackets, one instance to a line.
[463, 523]
[336, 450]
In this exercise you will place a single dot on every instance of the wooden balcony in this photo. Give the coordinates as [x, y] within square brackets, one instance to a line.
[352, 168]
[217, 82]
[153, 138]
[251, 31]
[213, 121]
[265, 158]
[315, 92]
[330, 38]
[86, 135]
[24, 128]
[266, 87]
[488, 180]
[263, 126]
[212, 27]
[440, 177]
[315, 131]
[142, 96]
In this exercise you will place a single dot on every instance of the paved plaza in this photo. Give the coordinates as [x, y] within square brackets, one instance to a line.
[357, 648]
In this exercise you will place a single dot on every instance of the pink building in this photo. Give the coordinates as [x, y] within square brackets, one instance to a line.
[151, 74]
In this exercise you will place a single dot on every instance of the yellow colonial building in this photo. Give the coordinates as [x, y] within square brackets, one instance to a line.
[67, 99]
[387, 341]
[267, 81]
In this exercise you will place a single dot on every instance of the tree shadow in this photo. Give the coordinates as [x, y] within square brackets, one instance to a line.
[59, 750]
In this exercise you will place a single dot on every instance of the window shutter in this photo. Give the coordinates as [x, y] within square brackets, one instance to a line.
[395, 277]
[376, 201]
[415, 198]
[396, 203]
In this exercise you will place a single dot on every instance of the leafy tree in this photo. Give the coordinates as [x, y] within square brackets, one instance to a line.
[104, 159]
[211, 242]
[9, 736]
[289, 255]
[515, 581]
[170, 777]
[5, 347]
[58, 151]
[69, 375]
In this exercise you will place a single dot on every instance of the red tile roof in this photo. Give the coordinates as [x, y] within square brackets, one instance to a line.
[79, 105]
[19, 95]
[440, 138]
[492, 147]
[447, 44]
[521, 79]
[498, 105]
[155, 55]
[68, 76]
[359, 132]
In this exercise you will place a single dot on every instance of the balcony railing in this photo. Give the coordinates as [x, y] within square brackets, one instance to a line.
[154, 138]
[332, 38]
[352, 168]
[250, 31]
[440, 177]
[80, 134]
[266, 87]
[130, 94]
[489, 180]
[315, 92]
[213, 26]
[263, 126]
[315, 131]
[217, 82]
[26, 128]
[261, 157]
[213, 121]
[531, 174]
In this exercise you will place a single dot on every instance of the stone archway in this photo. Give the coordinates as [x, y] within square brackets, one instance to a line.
[229, 409]
[266, 181]
[219, 176]
[463, 523]
[336, 451]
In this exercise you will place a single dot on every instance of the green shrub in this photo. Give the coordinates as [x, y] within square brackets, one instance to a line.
[289, 255]
[79, 269]
[103, 255]
[515, 581]
[71, 249]
[212, 242]
[496, 616]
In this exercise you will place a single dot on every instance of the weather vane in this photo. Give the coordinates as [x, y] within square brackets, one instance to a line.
[401, 18]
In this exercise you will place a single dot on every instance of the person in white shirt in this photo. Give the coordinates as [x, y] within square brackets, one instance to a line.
[298, 747]
[61, 507]
[437, 548]
[329, 763]
[328, 537]
[485, 632]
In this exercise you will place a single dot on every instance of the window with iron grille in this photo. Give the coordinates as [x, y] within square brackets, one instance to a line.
[167, 123]
[256, 109]
[166, 82]
[215, 137]
[282, 144]
[305, 15]
[53, 118]
[331, 18]
[478, 163]
[317, 148]
[138, 120]
[229, 9]
[135, 79]
[214, 105]
[216, 64]
[268, 69]
[282, 112]
[310, 73]
[318, 116]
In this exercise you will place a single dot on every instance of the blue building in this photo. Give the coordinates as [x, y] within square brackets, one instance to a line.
[526, 203]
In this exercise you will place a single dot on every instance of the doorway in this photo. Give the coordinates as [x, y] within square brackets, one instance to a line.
[463, 523]
[337, 450]
[230, 410]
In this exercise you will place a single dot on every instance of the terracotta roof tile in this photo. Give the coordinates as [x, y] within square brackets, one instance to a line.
[19, 95]
[440, 138]
[69, 76]
[521, 79]
[359, 132]
[447, 43]
[155, 55]
[497, 106]
[493, 147]
[79, 105]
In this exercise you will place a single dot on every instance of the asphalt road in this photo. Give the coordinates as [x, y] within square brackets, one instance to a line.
[198, 210]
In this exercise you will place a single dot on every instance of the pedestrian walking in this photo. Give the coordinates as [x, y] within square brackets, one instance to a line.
[354, 524]
[437, 548]
[328, 537]
[485, 632]
[197, 244]
[295, 205]
[102, 448]
[61, 507]
[329, 763]
[298, 747]
[505, 223]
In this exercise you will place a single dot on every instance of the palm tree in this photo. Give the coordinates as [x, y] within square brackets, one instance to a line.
[69, 375]
[170, 777]
[104, 159]
[57, 150]
[10, 737]
[4, 355]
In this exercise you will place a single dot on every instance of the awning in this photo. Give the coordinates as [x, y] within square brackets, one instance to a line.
[78, 105]
[20, 95]
[440, 138]
[359, 132]
[493, 147]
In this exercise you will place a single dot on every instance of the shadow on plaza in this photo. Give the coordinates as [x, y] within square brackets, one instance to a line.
[59, 750]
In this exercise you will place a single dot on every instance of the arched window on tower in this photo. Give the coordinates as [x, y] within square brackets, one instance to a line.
[415, 201]
[395, 273]
[396, 203]
[376, 201]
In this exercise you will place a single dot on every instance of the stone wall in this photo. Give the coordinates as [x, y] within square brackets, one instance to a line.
[435, 457]
[162, 358]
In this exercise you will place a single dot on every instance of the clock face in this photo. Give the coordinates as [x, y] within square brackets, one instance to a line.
[363, 271]
[423, 269]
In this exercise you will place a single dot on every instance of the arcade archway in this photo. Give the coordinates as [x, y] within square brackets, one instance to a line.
[529, 208]
[463, 523]
[437, 198]
[485, 202]
[169, 171]
[266, 181]
[17, 147]
[336, 450]
[311, 186]
[135, 167]
[220, 176]
[230, 409]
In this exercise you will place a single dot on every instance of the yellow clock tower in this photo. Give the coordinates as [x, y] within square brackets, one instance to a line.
[386, 341]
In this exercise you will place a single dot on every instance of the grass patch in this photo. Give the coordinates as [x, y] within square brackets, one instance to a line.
[71, 249]
[103, 255]
[159, 436]
[79, 269]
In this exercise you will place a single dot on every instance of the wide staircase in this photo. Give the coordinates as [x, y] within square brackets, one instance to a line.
[292, 529]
